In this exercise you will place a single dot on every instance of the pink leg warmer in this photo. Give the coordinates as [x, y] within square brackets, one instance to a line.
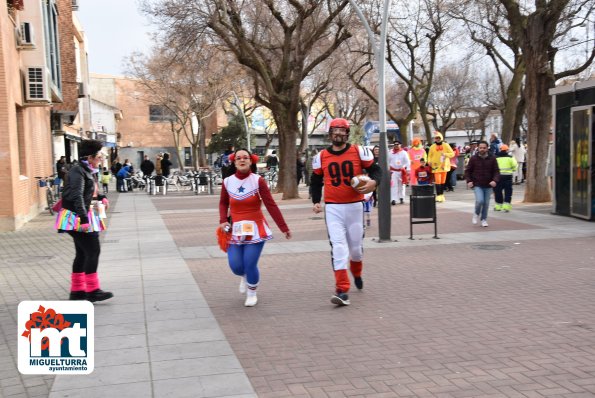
[92, 282]
[77, 282]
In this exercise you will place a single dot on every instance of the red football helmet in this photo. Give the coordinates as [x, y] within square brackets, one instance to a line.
[339, 123]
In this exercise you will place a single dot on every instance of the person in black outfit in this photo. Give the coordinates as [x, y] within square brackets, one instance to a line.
[147, 166]
[81, 184]
[272, 160]
[376, 153]
[165, 165]
[299, 167]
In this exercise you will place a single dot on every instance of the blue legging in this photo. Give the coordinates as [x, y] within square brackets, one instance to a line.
[243, 260]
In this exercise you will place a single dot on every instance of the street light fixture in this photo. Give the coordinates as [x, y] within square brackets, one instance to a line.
[384, 209]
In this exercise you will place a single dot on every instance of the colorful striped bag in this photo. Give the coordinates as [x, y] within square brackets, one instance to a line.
[67, 220]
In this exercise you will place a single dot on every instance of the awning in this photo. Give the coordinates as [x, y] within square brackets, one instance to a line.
[71, 137]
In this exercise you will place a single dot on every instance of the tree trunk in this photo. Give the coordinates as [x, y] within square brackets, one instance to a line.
[520, 113]
[538, 82]
[195, 157]
[511, 101]
[423, 113]
[305, 113]
[202, 145]
[288, 132]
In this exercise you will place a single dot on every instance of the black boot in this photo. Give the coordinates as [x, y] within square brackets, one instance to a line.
[98, 295]
[79, 295]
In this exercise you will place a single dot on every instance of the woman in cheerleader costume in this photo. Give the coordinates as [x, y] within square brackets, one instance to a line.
[242, 195]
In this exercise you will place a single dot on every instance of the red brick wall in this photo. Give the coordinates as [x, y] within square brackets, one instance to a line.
[20, 199]
[67, 58]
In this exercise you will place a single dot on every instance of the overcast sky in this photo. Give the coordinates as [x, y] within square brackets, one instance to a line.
[114, 29]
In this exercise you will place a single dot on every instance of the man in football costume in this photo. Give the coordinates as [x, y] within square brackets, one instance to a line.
[333, 168]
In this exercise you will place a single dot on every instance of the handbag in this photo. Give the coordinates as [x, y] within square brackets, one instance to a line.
[67, 220]
[57, 206]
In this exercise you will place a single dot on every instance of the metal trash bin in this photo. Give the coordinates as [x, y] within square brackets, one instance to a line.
[422, 190]
[422, 207]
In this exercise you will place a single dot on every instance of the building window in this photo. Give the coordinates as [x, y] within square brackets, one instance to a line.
[50, 16]
[159, 113]
[21, 142]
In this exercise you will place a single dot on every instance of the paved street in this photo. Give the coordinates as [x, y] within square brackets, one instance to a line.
[503, 311]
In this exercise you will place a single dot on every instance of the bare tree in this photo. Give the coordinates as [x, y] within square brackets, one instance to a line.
[413, 46]
[486, 21]
[538, 28]
[281, 42]
[454, 89]
[190, 88]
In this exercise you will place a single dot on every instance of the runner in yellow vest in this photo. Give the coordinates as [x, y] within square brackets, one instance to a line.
[503, 190]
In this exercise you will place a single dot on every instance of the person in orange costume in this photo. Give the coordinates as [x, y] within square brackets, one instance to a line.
[439, 159]
[416, 154]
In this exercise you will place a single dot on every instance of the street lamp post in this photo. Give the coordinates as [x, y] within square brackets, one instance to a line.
[384, 209]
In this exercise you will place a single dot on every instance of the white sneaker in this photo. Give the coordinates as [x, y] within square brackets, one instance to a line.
[242, 287]
[475, 219]
[484, 223]
[251, 300]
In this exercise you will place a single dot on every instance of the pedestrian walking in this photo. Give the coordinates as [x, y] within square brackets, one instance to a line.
[423, 173]
[399, 164]
[495, 143]
[299, 167]
[482, 175]
[518, 153]
[105, 179]
[334, 168]
[503, 190]
[80, 218]
[439, 159]
[376, 154]
[242, 196]
[416, 154]
[60, 172]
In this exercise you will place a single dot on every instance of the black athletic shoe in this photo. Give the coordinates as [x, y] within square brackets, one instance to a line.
[340, 299]
[79, 295]
[359, 283]
[98, 295]
[401, 201]
[393, 203]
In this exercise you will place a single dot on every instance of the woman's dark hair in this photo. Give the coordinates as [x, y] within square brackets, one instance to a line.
[375, 146]
[231, 170]
[90, 148]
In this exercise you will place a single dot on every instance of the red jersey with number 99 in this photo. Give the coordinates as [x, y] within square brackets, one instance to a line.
[338, 168]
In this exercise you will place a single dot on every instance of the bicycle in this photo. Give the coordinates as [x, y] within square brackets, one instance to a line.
[47, 183]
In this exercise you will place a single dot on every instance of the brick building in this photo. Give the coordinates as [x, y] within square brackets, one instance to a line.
[144, 127]
[39, 90]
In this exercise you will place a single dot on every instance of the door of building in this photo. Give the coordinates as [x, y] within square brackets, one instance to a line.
[581, 158]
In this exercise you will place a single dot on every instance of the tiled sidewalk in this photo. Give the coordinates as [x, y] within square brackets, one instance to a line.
[504, 311]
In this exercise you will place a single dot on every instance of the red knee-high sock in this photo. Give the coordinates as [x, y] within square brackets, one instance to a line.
[77, 281]
[342, 280]
[92, 282]
[356, 268]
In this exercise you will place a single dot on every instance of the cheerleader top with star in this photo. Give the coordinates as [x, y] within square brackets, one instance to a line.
[242, 196]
